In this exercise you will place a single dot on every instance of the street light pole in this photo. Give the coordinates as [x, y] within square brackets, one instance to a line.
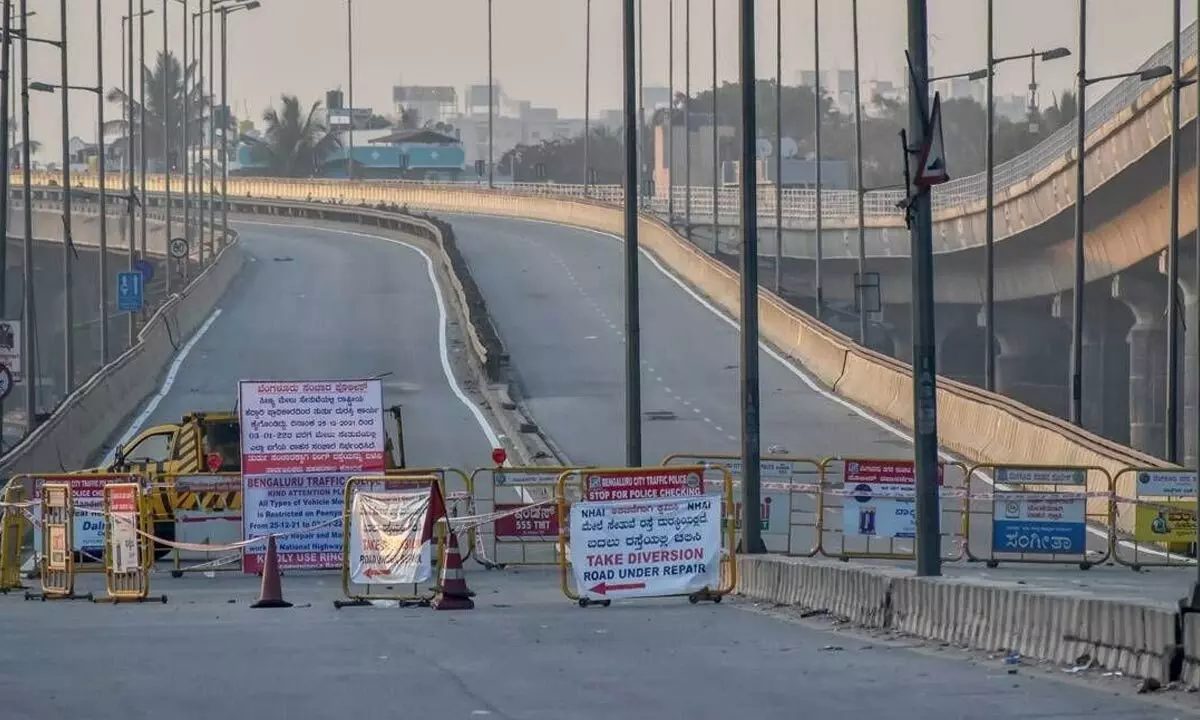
[68, 241]
[1173, 396]
[185, 154]
[350, 84]
[817, 121]
[751, 491]
[212, 131]
[225, 126]
[716, 174]
[142, 116]
[199, 175]
[633, 363]
[989, 271]
[587, 99]
[28, 331]
[1077, 299]
[491, 105]
[778, 145]
[860, 190]
[101, 183]
[641, 146]
[166, 99]
[130, 187]
[670, 134]
[687, 118]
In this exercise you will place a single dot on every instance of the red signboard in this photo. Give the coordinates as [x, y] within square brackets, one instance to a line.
[539, 522]
[645, 484]
[122, 499]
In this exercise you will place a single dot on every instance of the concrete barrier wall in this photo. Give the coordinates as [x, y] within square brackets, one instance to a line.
[1137, 638]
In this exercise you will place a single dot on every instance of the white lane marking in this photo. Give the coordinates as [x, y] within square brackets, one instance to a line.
[443, 343]
[806, 379]
[168, 382]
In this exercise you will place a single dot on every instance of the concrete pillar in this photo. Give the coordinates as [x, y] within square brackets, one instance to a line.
[1147, 360]
[1031, 364]
[1187, 440]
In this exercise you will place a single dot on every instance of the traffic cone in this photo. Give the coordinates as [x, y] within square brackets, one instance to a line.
[453, 593]
[271, 595]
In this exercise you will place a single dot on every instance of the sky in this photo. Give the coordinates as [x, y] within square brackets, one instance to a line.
[300, 46]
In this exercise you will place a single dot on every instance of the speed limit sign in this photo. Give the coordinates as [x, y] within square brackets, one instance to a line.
[6, 382]
[179, 248]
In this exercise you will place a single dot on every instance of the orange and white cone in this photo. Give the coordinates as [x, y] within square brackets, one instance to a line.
[271, 595]
[453, 593]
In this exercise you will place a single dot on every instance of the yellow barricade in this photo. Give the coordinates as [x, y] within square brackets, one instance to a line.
[791, 498]
[1159, 506]
[1039, 514]
[128, 549]
[58, 531]
[377, 483]
[522, 537]
[207, 510]
[12, 535]
[87, 496]
[646, 560]
[869, 510]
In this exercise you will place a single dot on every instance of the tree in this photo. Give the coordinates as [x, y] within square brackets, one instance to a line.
[561, 159]
[294, 143]
[180, 83]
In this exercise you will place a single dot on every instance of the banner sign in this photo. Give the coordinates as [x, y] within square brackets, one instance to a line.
[123, 537]
[281, 504]
[391, 536]
[1165, 521]
[1166, 483]
[1041, 526]
[88, 494]
[537, 523]
[882, 498]
[646, 548]
[653, 483]
[293, 427]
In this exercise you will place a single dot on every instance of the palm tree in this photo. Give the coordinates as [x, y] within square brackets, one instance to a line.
[180, 82]
[294, 143]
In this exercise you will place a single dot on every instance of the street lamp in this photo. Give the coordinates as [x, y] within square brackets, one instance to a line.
[225, 13]
[633, 332]
[1082, 83]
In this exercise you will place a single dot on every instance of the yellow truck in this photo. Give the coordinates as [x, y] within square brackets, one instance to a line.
[204, 442]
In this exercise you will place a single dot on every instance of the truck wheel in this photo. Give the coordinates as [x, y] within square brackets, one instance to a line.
[166, 531]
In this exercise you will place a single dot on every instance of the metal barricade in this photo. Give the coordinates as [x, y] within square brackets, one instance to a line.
[680, 488]
[58, 560]
[87, 496]
[868, 509]
[790, 513]
[128, 548]
[525, 529]
[207, 510]
[12, 535]
[1154, 511]
[383, 483]
[1039, 514]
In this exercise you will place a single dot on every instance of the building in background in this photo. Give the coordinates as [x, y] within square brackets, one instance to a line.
[426, 103]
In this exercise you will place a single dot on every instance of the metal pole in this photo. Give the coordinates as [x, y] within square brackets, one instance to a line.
[1195, 594]
[778, 145]
[928, 546]
[225, 127]
[819, 300]
[131, 188]
[166, 139]
[860, 190]
[212, 134]
[28, 331]
[101, 183]
[1173, 397]
[687, 118]
[1077, 287]
[752, 532]
[350, 89]
[670, 134]
[68, 241]
[6, 77]
[716, 177]
[199, 176]
[491, 105]
[186, 153]
[587, 99]
[989, 266]
[641, 79]
[141, 87]
[633, 362]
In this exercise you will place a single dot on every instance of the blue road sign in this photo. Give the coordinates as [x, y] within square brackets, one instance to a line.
[129, 291]
[145, 267]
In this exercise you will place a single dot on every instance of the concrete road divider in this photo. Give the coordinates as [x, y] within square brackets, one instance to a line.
[1138, 638]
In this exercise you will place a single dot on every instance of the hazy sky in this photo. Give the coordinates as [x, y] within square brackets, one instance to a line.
[299, 46]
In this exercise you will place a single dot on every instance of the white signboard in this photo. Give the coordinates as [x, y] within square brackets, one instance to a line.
[123, 537]
[391, 537]
[326, 426]
[288, 503]
[646, 548]
[1166, 483]
[1026, 523]
[10, 347]
[1040, 476]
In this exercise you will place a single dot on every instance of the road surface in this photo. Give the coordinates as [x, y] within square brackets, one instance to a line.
[555, 295]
